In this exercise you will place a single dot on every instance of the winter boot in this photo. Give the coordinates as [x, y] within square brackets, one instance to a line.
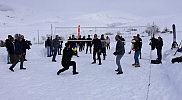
[11, 69]
[74, 73]
[137, 65]
[119, 73]
[22, 68]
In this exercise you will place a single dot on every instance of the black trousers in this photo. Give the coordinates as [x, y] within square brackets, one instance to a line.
[67, 65]
[98, 56]
[59, 50]
[159, 54]
[89, 46]
[108, 46]
[103, 50]
[17, 58]
[81, 48]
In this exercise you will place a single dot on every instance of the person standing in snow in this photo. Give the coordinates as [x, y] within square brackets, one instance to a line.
[159, 49]
[107, 42]
[60, 46]
[18, 54]
[7, 47]
[25, 44]
[140, 39]
[89, 44]
[55, 45]
[137, 49]
[48, 46]
[97, 49]
[119, 52]
[66, 59]
[11, 50]
[103, 47]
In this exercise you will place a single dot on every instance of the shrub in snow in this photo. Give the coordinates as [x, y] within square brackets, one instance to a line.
[152, 29]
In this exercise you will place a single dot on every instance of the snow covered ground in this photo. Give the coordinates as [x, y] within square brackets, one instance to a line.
[94, 82]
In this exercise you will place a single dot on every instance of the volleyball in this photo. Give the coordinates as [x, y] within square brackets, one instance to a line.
[74, 48]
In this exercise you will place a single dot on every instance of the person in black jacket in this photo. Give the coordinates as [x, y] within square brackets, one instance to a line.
[103, 47]
[66, 59]
[97, 49]
[89, 44]
[80, 43]
[11, 50]
[60, 46]
[24, 43]
[7, 47]
[140, 39]
[48, 46]
[137, 49]
[18, 54]
[159, 48]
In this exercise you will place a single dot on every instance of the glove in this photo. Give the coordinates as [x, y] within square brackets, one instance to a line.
[115, 53]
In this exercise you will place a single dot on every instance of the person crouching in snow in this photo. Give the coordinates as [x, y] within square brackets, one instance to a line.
[137, 49]
[66, 59]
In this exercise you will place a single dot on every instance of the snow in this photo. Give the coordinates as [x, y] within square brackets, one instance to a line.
[40, 82]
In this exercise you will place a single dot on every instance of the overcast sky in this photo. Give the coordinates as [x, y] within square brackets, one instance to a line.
[137, 7]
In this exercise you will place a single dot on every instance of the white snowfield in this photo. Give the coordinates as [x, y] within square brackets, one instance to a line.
[40, 81]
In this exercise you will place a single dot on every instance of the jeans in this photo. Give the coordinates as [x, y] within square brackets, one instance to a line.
[118, 58]
[48, 50]
[159, 54]
[8, 57]
[136, 55]
[55, 53]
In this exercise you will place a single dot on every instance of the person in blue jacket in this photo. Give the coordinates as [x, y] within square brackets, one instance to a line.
[119, 52]
[55, 45]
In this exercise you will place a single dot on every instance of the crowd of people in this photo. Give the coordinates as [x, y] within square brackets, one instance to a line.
[99, 48]
[16, 49]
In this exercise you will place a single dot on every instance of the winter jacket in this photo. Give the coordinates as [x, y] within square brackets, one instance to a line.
[89, 43]
[137, 46]
[103, 42]
[159, 45]
[55, 43]
[8, 44]
[18, 48]
[120, 50]
[67, 55]
[97, 44]
[47, 43]
[108, 41]
[11, 49]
